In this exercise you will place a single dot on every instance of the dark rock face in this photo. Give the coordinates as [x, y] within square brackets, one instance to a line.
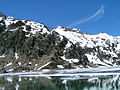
[74, 52]
[19, 52]
[29, 46]
[37, 49]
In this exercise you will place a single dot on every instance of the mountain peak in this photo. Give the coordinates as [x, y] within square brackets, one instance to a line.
[28, 45]
[2, 16]
[13, 24]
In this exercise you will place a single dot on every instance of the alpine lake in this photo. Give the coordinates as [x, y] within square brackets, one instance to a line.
[94, 79]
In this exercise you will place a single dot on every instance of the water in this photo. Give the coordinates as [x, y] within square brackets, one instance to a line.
[62, 80]
[59, 83]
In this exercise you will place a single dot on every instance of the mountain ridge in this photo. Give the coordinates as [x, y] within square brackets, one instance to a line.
[31, 46]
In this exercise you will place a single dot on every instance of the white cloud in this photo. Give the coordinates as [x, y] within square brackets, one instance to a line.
[98, 15]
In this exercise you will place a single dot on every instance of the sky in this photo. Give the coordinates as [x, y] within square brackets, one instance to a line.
[91, 16]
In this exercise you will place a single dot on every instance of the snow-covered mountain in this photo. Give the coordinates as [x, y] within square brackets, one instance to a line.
[28, 45]
[100, 49]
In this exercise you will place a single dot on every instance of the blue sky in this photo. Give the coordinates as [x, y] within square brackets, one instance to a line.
[74, 13]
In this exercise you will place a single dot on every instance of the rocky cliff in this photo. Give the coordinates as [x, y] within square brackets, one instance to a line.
[31, 46]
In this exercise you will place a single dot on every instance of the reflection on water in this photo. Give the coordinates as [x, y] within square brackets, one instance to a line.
[60, 83]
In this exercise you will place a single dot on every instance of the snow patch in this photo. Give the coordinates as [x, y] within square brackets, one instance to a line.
[70, 60]
[95, 60]
[75, 37]
[60, 66]
[16, 56]
[2, 56]
[61, 37]
[28, 35]
[9, 64]
[1, 18]
[35, 27]
[68, 45]
[10, 20]
[10, 70]
[44, 66]
[30, 63]
[19, 63]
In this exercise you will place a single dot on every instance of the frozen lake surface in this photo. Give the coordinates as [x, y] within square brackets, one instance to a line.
[103, 78]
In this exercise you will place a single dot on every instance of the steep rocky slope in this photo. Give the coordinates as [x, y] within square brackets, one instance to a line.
[27, 46]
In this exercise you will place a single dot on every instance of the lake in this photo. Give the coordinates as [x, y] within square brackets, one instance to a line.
[81, 79]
